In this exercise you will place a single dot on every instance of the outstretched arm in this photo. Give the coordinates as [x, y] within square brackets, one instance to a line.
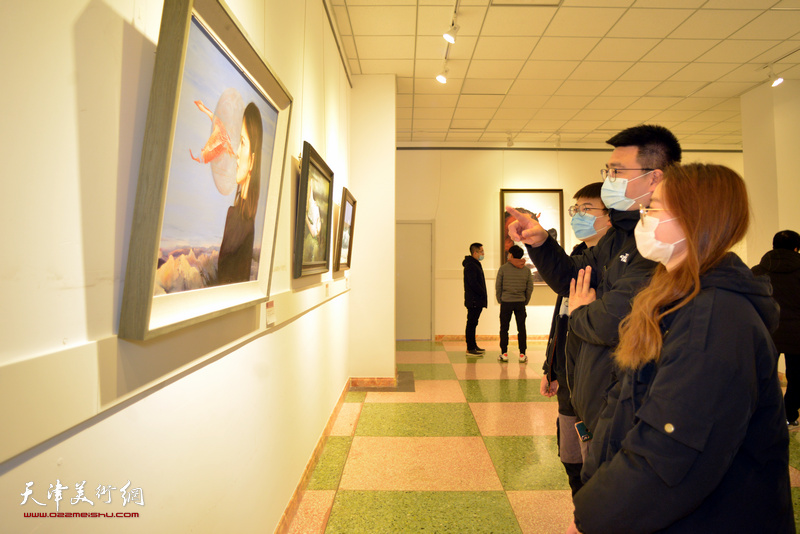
[526, 229]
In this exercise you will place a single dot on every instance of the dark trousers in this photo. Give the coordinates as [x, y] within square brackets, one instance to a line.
[473, 314]
[792, 397]
[518, 309]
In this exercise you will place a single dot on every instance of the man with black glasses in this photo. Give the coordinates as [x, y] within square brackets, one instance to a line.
[614, 266]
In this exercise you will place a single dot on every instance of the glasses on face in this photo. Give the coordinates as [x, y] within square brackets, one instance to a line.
[645, 212]
[583, 209]
[612, 173]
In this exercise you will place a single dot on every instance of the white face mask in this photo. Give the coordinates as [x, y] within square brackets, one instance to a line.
[613, 193]
[650, 247]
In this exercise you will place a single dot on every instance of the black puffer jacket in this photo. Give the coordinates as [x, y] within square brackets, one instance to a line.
[474, 284]
[783, 269]
[618, 273]
[697, 442]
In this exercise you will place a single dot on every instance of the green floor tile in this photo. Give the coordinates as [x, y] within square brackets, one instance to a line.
[370, 512]
[527, 462]
[355, 396]
[416, 420]
[331, 463]
[794, 449]
[418, 345]
[796, 506]
[429, 371]
[503, 391]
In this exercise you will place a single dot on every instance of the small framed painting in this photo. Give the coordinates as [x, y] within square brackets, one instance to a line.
[544, 205]
[347, 222]
[312, 234]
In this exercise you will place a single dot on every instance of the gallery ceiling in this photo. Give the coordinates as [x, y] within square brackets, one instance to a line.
[569, 72]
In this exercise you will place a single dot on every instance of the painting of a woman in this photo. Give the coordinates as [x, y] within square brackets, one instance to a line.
[236, 250]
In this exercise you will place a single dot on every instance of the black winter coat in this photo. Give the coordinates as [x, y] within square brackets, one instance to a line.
[474, 284]
[697, 441]
[618, 273]
[560, 353]
[783, 269]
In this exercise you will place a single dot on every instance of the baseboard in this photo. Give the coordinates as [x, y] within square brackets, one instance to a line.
[373, 382]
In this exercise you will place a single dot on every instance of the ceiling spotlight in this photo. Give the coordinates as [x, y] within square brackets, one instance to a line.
[442, 76]
[450, 35]
[775, 79]
[510, 141]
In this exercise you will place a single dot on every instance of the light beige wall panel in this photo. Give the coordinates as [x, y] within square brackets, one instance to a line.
[248, 421]
[418, 190]
[312, 97]
[787, 132]
[372, 176]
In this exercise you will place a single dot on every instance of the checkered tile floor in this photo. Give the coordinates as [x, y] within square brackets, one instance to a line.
[471, 449]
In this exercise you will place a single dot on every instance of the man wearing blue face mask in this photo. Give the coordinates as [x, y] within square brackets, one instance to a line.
[590, 221]
[616, 269]
[475, 297]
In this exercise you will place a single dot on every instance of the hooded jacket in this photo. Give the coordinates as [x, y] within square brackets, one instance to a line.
[474, 284]
[697, 441]
[514, 282]
[618, 273]
[783, 269]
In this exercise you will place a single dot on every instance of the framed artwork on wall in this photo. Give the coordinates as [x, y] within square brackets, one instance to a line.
[210, 175]
[347, 224]
[545, 205]
[312, 229]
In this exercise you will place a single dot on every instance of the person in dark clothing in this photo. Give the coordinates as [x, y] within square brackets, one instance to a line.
[236, 250]
[475, 298]
[513, 288]
[616, 269]
[590, 222]
[693, 438]
[782, 265]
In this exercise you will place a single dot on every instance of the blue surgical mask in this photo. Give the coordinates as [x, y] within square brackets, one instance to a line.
[583, 225]
[480, 258]
[613, 193]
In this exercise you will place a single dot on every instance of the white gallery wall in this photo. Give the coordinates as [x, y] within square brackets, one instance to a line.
[215, 422]
[459, 190]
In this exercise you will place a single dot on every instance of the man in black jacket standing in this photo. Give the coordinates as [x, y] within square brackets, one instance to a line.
[616, 268]
[782, 265]
[475, 298]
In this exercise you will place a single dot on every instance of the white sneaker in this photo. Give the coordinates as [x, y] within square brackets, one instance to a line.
[523, 358]
[503, 357]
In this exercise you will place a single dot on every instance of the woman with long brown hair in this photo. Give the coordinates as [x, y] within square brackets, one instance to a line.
[693, 437]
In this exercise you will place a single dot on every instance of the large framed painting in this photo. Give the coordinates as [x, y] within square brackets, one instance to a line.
[210, 176]
[544, 205]
[312, 234]
[347, 224]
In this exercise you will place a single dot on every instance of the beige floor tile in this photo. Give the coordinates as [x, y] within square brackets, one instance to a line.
[516, 418]
[542, 512]
[794, 476]
[513, 370]
[432, 356]
[419, 464]
[346, 420]
[425, 391]
[312, 515]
